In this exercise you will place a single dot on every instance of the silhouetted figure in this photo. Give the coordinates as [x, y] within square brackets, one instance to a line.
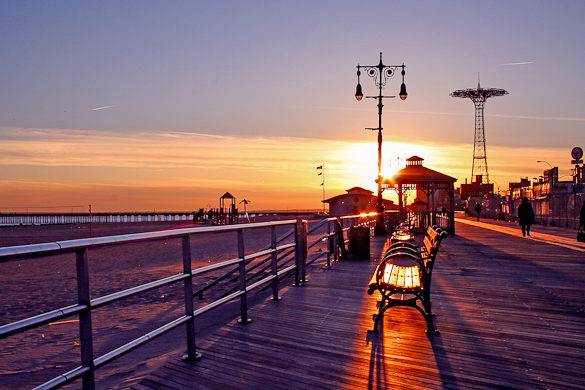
[525, 216]
[581, 232]
[477, 209]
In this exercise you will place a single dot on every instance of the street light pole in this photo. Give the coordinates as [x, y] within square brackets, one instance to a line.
[380, 74]
[545, 162]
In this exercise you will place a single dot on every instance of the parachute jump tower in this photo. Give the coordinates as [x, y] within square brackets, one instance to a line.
[478, 97]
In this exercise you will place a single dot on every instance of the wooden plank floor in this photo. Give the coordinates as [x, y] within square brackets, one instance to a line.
[510, 312]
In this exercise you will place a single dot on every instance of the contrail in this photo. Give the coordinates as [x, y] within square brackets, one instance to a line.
[439, 113]
[102, 108]
[517, 63]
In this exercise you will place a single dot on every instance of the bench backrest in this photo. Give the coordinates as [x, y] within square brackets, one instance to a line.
[431, 243]
[433, 233]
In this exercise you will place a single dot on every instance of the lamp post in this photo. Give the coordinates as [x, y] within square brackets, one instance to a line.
[380, 74]
[545, 162]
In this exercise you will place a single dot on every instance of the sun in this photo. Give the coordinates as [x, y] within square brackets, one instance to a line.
[358, 162]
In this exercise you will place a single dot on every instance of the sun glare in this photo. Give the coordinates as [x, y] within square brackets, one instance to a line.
[362, 168]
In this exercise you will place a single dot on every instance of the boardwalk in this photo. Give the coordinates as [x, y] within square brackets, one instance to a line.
[510, 311]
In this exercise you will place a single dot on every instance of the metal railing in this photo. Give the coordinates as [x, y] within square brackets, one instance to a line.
[421, 220]
[293, 257]
[443, 221]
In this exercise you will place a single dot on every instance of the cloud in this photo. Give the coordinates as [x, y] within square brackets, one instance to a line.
[102, 108]
[185, 170]
[517, 63]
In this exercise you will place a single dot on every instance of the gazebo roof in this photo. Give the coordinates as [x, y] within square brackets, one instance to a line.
[227, 195]
[416, 173]
[353, 190]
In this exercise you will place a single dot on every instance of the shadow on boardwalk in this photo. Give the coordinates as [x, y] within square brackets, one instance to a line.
[510, 313]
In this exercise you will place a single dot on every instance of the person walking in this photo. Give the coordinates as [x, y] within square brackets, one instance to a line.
[477, 209]
[525, 216]
[581, 231]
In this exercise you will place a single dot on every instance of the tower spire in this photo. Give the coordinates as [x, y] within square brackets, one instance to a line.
[478, 97]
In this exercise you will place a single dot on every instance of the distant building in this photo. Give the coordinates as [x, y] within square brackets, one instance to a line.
[357, 200]
[520, 188]
[555, 202]
[476, 189]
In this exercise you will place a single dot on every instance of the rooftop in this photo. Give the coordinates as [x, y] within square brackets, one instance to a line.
[416, 173]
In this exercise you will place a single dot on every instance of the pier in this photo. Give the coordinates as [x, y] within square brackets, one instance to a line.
[510, 311]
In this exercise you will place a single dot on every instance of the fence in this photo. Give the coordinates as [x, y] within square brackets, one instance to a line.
[335, 239]
[422, 220]
[15, 219]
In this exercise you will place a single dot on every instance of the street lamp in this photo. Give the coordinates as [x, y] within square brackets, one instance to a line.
[380, 74]
[545, 162]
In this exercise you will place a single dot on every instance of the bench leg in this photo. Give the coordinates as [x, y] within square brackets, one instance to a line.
[431, 329]
[426, 301]
[378, 317]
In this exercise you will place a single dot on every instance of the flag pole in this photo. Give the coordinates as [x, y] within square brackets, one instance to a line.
[321, 169]
[323, 184]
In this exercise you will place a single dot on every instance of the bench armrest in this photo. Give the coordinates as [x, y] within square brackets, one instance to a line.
[403, 244]
[392, 251]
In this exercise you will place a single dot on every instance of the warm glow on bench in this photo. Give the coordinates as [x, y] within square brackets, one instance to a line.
[401, 276]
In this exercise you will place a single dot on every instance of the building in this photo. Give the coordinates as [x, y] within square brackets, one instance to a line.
[555, 202]
[520, 188]
[476, 189]
[356, 200]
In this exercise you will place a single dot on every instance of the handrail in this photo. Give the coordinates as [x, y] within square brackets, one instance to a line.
[268, 275]
[93, 242]
[199, 293]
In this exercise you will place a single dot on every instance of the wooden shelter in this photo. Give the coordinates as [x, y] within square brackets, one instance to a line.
[228, 213]
[417, 177]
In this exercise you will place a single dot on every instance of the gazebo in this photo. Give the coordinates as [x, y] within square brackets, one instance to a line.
[437, 188]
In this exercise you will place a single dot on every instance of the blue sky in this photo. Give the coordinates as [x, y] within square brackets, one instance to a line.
[286, 68]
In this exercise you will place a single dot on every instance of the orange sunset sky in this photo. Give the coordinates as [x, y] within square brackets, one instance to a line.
[182, 171]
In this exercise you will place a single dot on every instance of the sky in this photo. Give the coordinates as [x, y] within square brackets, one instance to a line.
[165, 105]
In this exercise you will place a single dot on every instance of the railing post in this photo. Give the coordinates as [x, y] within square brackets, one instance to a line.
[298, 249]
[336, 227]
[304, 251]
[85, 327]
[242, 276]
[274, 261]
[192, 353]
[329, 245]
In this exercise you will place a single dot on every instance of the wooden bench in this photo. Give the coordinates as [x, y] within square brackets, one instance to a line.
[400, 244]
[403, 278]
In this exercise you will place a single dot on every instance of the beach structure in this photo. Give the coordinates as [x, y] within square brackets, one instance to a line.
[26, 218]
[479, 95]
[429, 185]
[356, 200]
[228, 213]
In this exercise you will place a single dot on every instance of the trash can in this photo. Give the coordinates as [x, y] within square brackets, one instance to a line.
[359, 242]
